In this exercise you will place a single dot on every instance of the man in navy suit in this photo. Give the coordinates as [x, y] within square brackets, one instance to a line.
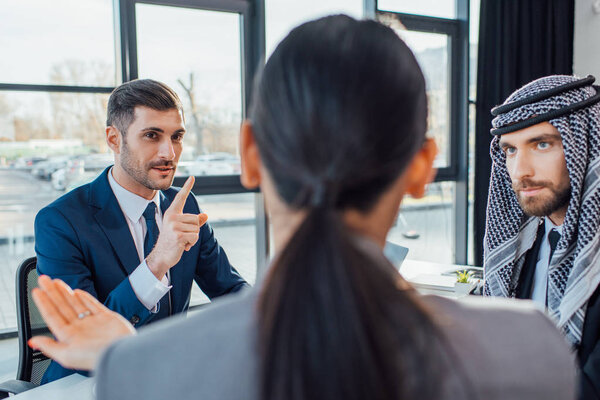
[128, 237]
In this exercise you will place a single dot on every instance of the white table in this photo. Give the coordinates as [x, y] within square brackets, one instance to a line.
[427, 277]
[72, 387]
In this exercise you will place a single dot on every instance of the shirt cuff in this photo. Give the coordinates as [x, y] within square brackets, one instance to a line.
[147, 288]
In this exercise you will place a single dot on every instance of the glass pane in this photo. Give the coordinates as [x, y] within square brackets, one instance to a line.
[49, 143]
[42, 126]
[283, 16]
[425, 226]
[432, 53]
[233, 219]
[59, 42]
[432, 8]
[197, 53]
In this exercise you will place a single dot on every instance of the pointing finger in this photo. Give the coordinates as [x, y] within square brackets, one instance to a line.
[179, 200]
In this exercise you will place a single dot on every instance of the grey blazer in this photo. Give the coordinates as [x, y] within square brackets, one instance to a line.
[502, 349]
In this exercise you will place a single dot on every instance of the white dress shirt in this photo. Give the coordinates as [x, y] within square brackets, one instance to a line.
[539, 292]
[147, 288]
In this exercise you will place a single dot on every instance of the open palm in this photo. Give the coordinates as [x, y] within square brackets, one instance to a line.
[82, 326]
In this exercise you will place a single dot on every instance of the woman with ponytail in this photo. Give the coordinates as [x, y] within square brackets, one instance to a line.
[335, 138]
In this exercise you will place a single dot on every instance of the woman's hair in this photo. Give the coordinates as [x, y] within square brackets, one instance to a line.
[338, 113]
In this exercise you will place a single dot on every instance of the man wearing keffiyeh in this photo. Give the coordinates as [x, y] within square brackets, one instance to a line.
[542, 238]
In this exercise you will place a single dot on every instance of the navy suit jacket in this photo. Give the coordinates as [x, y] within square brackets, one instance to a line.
[588, 351]
[83, 238]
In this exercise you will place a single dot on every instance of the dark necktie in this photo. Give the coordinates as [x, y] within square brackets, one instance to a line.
[149, 242]
[553, 238]
[151, 228]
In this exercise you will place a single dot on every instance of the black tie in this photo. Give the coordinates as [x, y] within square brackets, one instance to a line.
[151, 228]
[553, 238]
[149, 242]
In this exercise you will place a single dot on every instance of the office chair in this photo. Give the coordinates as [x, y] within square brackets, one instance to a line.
[32, 363]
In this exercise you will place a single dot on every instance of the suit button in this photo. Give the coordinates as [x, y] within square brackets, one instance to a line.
[134, 320]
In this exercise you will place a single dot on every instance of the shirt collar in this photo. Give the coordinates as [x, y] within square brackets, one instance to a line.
[133, 206]
[549, 225]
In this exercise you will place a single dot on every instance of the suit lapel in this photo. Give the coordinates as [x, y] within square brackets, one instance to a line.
[112, 221]
[527, 275]
[165, 202]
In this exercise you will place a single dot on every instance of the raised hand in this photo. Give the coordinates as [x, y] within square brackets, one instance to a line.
[179, 233]
[83, 327]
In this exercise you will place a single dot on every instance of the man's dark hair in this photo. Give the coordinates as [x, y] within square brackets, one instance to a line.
[140, 92]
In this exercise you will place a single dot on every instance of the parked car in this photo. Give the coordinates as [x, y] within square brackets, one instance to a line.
[63, 176]
[27, 163]
[45, 169]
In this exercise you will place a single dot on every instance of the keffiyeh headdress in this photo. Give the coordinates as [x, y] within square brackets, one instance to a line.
[571, 106]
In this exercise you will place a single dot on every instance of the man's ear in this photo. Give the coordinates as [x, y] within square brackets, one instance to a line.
[250, 157]
[420, 171]
[113, 139]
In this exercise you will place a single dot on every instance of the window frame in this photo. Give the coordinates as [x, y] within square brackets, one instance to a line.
[457, 30]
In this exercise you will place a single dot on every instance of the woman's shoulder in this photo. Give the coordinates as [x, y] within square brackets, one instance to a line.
[505, 348]
[196, 354]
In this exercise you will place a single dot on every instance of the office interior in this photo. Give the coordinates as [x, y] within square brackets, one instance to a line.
[61, 59]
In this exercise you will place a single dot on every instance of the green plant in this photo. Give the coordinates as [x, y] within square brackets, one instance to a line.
[463, 276]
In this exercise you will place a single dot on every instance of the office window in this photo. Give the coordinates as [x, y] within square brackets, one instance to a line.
[61, 60]
[437, 33]
[431, 51]
[49, 124]
[201, 52]
[198, 54]
[283, 16]
[433, 8]
[50, 142]
[233, 219]
[58, 42]
[425, 226]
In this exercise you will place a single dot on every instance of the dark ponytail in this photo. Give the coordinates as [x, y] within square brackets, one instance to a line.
[338, 113]
[335, 325]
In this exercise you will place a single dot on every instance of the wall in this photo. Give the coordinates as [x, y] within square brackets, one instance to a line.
[586, 57]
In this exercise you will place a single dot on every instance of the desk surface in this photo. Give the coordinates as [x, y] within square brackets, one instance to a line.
[75, 387]
[427, 277]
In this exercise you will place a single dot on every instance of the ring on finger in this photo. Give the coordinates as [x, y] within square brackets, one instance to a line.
[84, 314]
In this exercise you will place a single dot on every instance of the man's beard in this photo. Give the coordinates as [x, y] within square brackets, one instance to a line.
[542, 206]
[141, 173]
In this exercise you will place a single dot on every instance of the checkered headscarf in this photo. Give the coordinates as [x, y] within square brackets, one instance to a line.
[574, 271]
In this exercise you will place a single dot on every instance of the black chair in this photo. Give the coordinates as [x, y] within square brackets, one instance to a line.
[32, 363]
